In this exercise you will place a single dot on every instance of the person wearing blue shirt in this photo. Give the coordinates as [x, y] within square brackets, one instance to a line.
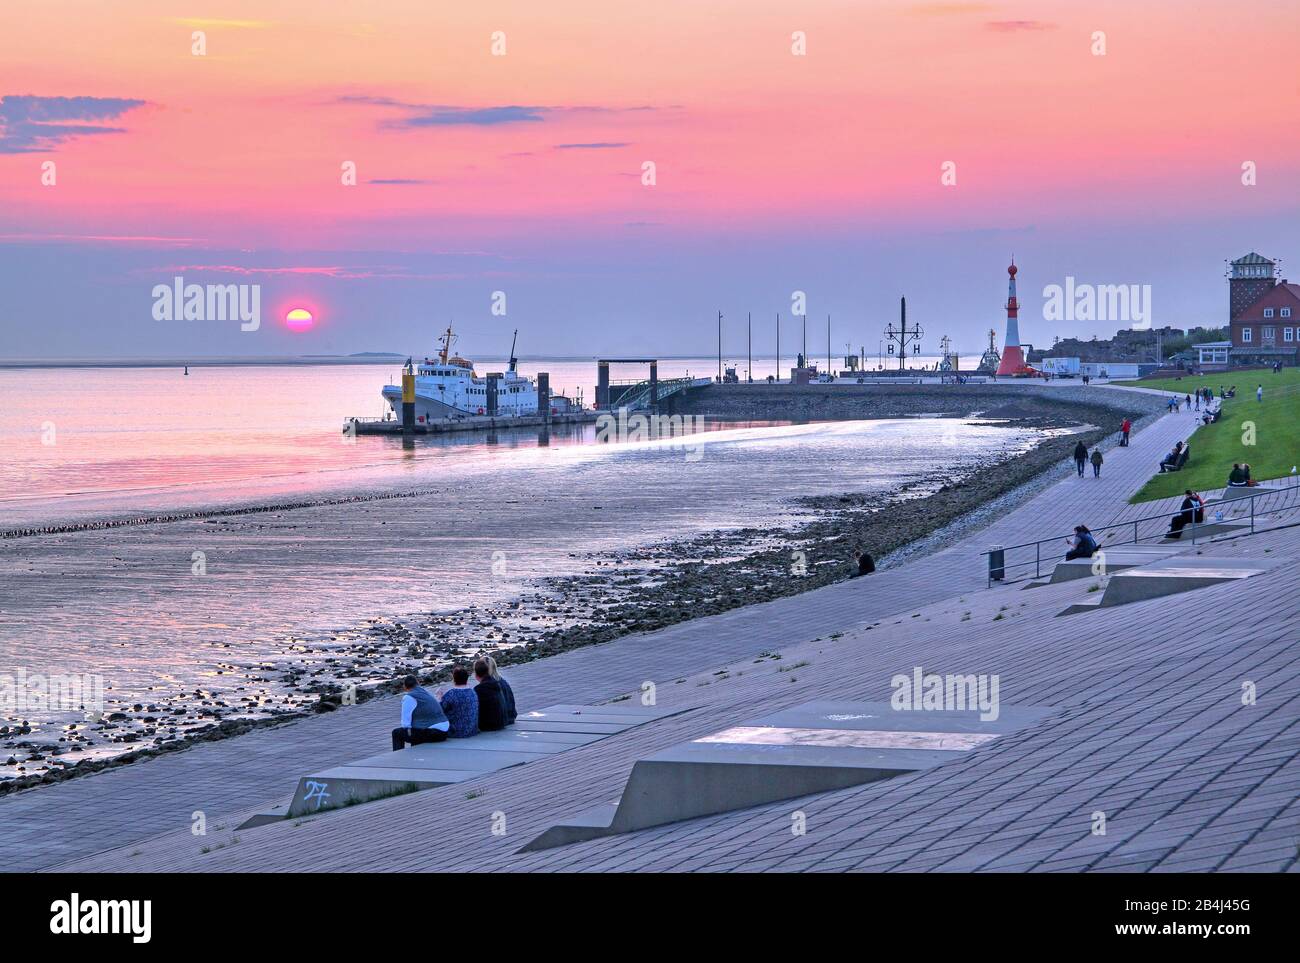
[460, 703]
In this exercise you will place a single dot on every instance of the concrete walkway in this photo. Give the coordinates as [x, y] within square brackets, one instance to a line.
[119, 807]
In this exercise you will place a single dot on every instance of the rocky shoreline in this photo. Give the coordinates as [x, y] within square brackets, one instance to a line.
[628, 592]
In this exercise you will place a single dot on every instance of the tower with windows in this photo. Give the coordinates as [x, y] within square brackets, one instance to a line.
[1249, 279]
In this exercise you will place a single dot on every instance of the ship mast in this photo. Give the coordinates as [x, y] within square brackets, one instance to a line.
[445, 353]
[513, 360]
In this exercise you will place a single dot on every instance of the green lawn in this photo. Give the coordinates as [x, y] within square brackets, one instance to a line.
[1276, 442]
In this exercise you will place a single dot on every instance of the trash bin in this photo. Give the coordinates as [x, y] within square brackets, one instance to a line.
[997, 563]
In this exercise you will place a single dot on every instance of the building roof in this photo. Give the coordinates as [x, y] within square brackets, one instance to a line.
[1281, 295]
[1253, 258]
[1263, 349]
[1213, 344]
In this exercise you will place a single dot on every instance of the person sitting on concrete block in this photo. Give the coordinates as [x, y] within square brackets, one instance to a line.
[1238, 477]
[1191, 510]
[507, 693]
[1085, 546]
[491, 704]
[460, 704]
[422, 718]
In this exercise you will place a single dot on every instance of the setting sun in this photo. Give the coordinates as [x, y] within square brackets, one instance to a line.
[299, 319]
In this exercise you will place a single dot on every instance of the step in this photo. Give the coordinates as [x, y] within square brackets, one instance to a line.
[812, 748]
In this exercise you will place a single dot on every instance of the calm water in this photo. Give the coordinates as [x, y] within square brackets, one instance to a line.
[124, 602]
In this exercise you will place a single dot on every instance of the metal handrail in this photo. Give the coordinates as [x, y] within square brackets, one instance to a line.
[998, 566]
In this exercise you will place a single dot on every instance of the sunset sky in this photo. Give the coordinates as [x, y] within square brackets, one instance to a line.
[522, 173]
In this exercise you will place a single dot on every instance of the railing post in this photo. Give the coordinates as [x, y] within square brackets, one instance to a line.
[1038, 553]
[1252, 513]
[1135, 532]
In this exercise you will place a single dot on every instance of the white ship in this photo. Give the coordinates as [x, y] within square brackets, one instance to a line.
[446, 387]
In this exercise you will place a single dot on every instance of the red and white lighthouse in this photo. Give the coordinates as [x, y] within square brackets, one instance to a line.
[1013, 359]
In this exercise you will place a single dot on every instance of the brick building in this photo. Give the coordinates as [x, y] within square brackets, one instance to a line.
[1263, 313]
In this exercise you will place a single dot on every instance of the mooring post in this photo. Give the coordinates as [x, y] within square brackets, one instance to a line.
[408, 401]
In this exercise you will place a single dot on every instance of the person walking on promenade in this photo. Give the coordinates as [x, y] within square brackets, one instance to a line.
[1096, 463]
[1080, 457]
[1189, 401]
[1259, 393]
[1124, 429]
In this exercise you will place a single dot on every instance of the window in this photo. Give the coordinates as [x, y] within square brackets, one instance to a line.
[1269, 333]
[1288, 334]
[1268, 312]
[1286, 312]
[1245, 335]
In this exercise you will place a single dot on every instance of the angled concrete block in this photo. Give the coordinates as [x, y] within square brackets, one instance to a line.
[813, 748]
[1171, 577]
[1116, 560]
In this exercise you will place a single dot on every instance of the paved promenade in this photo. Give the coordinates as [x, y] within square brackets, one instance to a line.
[121, 811]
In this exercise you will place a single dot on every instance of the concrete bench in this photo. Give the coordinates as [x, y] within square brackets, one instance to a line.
[535, 735]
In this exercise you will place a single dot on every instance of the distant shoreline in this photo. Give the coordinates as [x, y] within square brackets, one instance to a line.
[203, 362]
[368, 358]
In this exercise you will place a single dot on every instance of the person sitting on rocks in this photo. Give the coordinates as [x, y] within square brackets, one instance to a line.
[864, 563]
[422, 718]
[1171, 459]
[460, 704]
[507, 693]
[1085, 546]
[491, 704]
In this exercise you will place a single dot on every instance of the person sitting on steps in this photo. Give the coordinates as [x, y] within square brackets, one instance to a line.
[1085, 546]
[1192, 510]
[491, 704]
[507, 693]
[422, 718]
[460, 705]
